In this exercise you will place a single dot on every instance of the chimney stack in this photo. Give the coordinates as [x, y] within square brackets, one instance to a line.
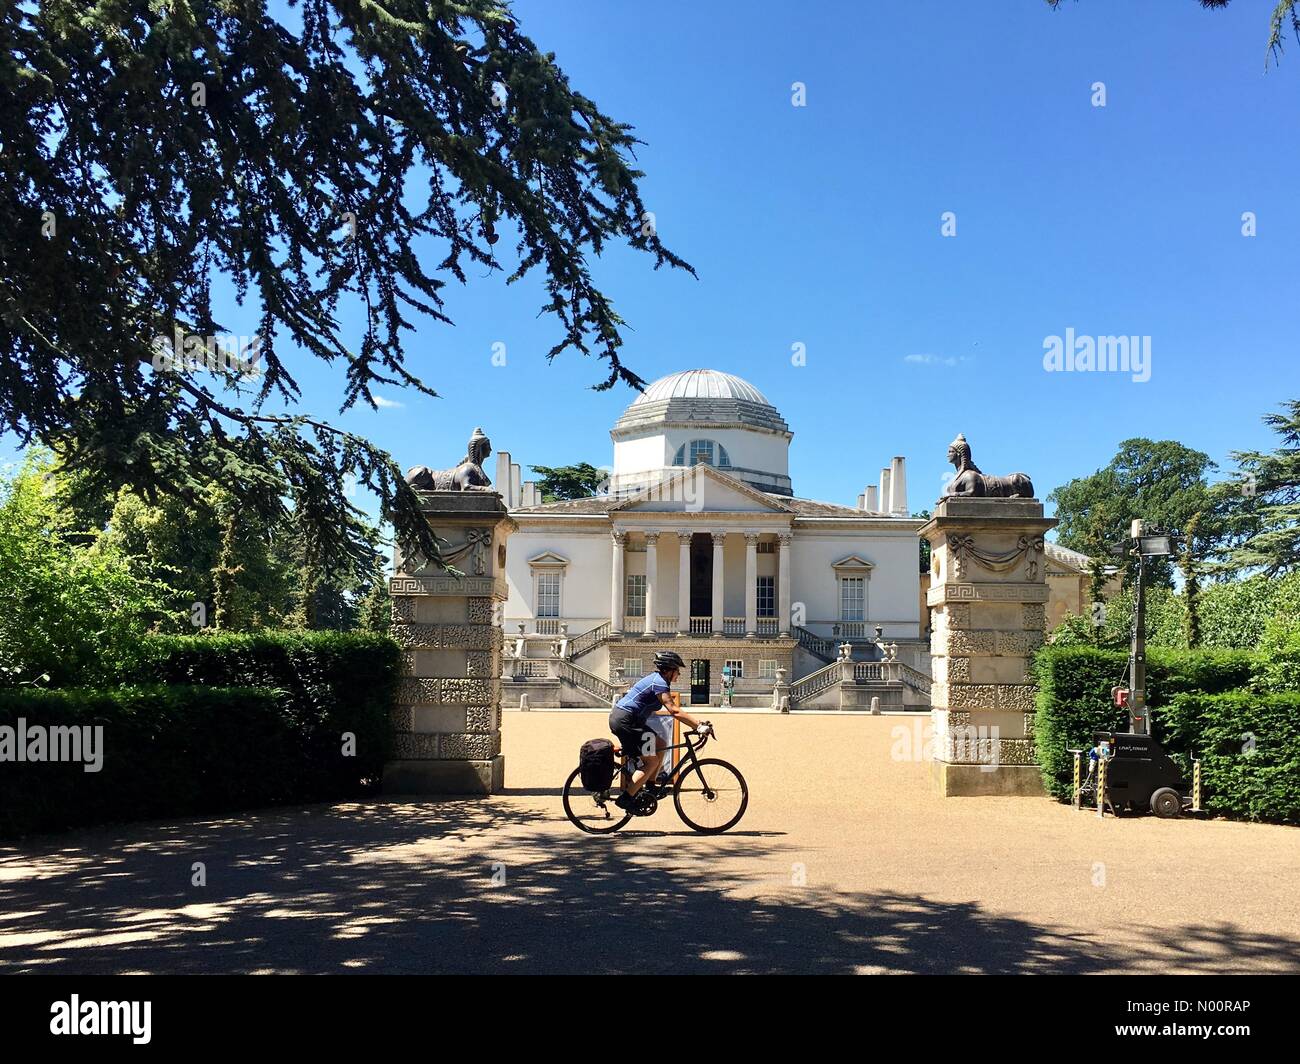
[898, 487]
[872, 506]
[886, 504]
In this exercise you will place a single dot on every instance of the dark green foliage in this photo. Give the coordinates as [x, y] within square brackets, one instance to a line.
[579, 481]
[1160, 481]
[243, 720]
[331, 159]
[167, 752]
[1232, 615]
[1265, 524]
[1074, 685]
[331, 682]
[1249, 745]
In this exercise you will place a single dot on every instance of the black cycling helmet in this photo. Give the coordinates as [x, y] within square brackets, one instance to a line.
[668, 659]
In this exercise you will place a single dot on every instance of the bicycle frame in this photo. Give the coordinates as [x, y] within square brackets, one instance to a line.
[680, 763]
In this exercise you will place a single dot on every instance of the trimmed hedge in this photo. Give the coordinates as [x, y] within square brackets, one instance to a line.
[217, 723]
[330, 683]
[1074, 684]
[1249, 745]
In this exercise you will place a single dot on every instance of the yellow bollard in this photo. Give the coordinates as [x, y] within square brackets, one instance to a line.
[1078, 754]
[1101, 787]
[1196, 785]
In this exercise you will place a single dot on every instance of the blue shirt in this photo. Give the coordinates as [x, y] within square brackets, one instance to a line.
[643, 697]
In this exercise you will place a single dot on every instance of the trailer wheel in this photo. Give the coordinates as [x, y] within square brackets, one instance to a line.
[1166, 803]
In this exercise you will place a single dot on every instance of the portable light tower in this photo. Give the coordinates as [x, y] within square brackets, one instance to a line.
[1146, 544]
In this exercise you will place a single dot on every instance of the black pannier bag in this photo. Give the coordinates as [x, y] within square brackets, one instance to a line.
[596, 764]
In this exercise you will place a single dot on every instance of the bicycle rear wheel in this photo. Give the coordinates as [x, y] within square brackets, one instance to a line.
[711, 795]
[595, 813]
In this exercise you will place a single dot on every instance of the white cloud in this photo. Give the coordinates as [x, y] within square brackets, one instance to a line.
[387, 404]
[934, 360]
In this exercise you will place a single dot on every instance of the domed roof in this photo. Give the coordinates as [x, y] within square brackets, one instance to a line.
[701, 397]
[701, 384]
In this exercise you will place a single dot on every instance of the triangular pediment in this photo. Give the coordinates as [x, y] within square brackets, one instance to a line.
[701, 489]
[853, 562]
[548, 559]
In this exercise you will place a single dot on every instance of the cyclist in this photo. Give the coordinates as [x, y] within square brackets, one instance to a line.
[627, 720]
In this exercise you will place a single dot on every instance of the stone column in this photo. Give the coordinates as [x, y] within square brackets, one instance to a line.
[447, 712]
[651, 578]
[988, 593]
[683, 583]
[784, 606]
[751, 585]
[616, 585]
[719, 538]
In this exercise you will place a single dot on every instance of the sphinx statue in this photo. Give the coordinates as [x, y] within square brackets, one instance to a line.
[466, 475]
[971, 483]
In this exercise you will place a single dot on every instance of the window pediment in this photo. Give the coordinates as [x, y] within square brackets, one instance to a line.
[853, 565]
[548, 560]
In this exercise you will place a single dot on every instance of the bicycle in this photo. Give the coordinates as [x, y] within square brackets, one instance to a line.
[710, 795]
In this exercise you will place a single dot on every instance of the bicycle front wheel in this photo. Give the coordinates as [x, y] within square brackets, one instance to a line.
[711, 796]
[595, 813]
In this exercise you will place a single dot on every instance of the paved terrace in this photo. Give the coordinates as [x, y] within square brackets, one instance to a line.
[893, 878]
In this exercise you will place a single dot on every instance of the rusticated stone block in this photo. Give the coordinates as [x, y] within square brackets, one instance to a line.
[1021, 643]
[415, 691]
[403, 609]
[958, 643]
[471, 690]
[480, 610]
[415, 746]
[402, 718]
[1017, 752]
[972, 696]
[447, 636]
[473, 746]
[1016, 696]
[481, 718]
[958, 670]
[479, 663]
[1029, 725]
[1035, 616]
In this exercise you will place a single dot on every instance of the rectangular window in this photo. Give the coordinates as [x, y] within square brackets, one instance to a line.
[853, 598]
[766, 546]
[548, 594]
[737, 668]
[636, 595]
[767, 668]
[767, 596]
[632, 669]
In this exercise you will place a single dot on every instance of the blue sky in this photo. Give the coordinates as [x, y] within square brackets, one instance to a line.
[821, 225]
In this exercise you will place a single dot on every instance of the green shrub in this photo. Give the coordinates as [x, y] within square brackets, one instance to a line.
[330, 683]
[166, 752]
[1249, 745]
[1074, 685]
[218, 723]
[71, 605]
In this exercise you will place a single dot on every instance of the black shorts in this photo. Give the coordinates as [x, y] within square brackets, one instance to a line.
[634, 738]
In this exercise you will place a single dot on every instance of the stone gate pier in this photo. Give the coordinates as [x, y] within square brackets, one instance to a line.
[988, 594]
[447, 718]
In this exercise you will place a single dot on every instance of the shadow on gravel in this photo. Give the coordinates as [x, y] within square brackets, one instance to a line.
[362, 888]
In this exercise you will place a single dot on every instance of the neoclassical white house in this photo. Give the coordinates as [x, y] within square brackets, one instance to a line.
[700, 544]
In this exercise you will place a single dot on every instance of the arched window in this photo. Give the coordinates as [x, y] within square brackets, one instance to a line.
[704, 452]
